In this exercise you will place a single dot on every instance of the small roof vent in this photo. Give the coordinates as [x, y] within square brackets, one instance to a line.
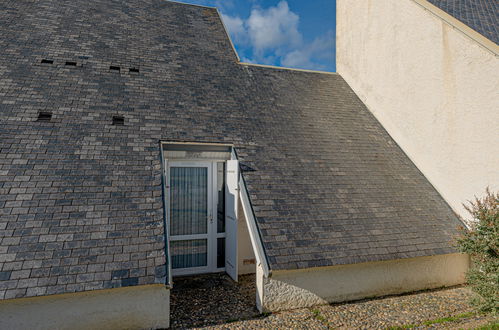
[114, 68]
[134, 70]
[44, 116]
[70, 63]
[118, 120]
[46, 61]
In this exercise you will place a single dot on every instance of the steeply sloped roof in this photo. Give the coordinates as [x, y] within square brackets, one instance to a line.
[480, 15]
[81, 200]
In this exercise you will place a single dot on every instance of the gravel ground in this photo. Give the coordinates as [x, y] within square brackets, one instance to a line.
[215, 302]
[211, 299]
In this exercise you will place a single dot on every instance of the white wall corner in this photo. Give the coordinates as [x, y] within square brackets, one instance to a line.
[432, 87]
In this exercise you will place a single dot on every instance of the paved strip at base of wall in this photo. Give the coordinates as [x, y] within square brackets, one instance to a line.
[138, 307]
[316, 286]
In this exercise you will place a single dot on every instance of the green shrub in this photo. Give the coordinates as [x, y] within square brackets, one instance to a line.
[481, 242]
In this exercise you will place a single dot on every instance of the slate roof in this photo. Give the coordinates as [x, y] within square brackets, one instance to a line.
[480, 15]
[81, 199]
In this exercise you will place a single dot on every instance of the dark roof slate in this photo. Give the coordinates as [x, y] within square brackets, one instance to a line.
[480, 15]
[81, 199]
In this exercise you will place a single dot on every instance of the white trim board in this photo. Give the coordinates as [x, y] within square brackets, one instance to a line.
[255, 238]
[285, 68]
[459, 26]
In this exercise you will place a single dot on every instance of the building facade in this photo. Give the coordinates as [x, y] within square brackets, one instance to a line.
[136, 147]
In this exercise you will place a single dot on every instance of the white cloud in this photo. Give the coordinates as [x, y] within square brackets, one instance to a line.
[247, 60]
[236, 28]
[273, 28]
[305, 57]
[274, 37]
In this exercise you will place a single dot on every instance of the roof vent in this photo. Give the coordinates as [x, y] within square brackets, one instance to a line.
[44, 116]
[118, 120]
[134, 70]
[70, 63]
[114, 68]
[45, 61]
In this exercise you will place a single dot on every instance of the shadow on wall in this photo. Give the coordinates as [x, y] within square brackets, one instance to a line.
[316, 286]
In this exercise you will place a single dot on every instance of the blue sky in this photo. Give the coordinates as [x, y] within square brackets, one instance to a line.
[290, 33]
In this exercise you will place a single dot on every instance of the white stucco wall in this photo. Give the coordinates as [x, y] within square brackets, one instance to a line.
[316, 286]
[433, 88]
[245, 254]
[139, 307]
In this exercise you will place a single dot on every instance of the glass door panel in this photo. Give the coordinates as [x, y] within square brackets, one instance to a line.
[189, 253]
[188, 200]
[220, 168]
[219, 173]
[190, 212]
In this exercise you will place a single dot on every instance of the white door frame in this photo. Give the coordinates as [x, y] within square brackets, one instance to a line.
[211, 236]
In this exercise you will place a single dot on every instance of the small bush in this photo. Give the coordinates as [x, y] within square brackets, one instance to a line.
[481, 242]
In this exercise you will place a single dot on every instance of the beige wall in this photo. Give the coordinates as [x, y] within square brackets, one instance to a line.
[433, 88]
[139, 307]
[315, 286]
[245, 254]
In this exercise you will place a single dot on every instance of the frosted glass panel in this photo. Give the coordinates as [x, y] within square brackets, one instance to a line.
[192, 253]
[188, 200]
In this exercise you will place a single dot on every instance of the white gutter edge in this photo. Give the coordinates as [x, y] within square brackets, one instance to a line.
[256, 241]
[459, 26]
[169, 279]
[285, 68]
[228, 35]
[191, 4]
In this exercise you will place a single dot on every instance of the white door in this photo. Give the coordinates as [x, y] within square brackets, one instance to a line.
[231, 198]
[190, 206]
[196, 216]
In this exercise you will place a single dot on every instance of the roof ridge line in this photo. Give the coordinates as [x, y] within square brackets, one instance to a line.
[234, 48]
[459, 26]
[285, 68]
[221, 20]
[190, 4]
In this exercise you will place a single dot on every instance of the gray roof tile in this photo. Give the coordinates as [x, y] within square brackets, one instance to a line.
[328, 184]
[480, 15]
